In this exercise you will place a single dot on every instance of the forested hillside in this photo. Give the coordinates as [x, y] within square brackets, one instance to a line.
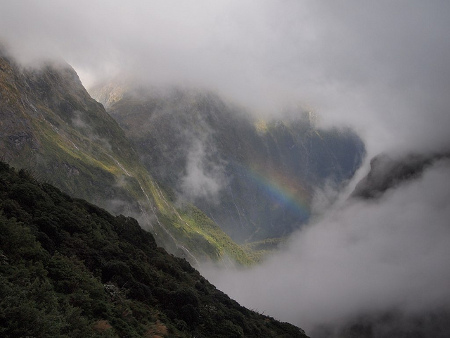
[70, 269]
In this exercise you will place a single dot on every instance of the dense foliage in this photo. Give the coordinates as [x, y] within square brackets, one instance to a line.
[69, 268]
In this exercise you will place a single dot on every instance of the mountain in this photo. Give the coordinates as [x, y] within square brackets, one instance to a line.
[70, 269]
[50, 125]
[256, 179]
[387, 172]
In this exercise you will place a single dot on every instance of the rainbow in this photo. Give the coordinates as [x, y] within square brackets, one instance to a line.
[283, 190]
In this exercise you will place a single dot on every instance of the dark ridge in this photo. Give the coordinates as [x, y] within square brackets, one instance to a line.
[387, 172]
[70, 269]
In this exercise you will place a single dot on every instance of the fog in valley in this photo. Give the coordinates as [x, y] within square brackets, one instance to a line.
[381, 68]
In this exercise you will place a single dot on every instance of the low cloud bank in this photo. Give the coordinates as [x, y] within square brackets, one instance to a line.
[366, 257]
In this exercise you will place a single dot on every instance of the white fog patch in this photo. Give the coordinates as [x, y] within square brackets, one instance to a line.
[324, 197]
[78, 121]
[87, 131]
[204, 177]
[367, 256]
[331, 196]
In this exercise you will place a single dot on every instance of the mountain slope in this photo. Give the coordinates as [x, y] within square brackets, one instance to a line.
[255, 179]
[51, 126]
[70, 269]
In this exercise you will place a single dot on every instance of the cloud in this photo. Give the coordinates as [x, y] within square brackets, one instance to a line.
[364, 258]
[380, 67]
[82, 124]
[204, 178]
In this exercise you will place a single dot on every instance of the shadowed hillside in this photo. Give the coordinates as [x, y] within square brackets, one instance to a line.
[70, 269]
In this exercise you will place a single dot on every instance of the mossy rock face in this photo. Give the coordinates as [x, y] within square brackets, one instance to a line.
[69, 268]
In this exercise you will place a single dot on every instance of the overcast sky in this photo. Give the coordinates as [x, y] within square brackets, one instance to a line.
[382, 67]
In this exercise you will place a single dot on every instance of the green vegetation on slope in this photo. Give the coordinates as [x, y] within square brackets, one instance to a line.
[71, 269]
[51, 126]
[201, 226]
[264, 248]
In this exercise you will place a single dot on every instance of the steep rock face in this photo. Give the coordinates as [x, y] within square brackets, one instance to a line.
[15, 127]
[51, 126]
[253, 178]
